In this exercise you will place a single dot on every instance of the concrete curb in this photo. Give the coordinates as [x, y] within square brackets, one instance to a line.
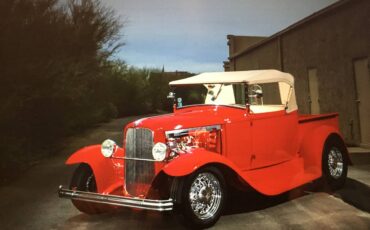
[359, 156]
[356, 150]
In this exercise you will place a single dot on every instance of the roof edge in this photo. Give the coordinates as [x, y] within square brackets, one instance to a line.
[249, 76]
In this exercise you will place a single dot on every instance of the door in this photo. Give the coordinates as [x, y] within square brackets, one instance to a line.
[238, 142]
[362, 77]
[273, 138]
[313, 85]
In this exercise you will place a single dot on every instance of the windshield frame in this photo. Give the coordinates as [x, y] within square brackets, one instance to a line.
[245, 107]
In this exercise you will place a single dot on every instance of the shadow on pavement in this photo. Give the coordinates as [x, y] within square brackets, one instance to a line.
[250, 201]
[353, 193]
[356, 194]
[129, 218]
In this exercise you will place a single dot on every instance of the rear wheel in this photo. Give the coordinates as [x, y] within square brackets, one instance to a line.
[83, 179]
[203, 197]
[334, 164]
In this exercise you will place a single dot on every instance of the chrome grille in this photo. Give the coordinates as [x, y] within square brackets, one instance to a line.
[139, 167]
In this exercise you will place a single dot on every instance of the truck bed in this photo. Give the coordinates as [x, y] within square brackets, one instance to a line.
[301, 169]
[308, 122]
[303, 118]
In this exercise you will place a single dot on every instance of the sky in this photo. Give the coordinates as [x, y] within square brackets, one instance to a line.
[190, 35]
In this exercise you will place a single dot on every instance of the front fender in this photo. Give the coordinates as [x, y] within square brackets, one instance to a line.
[188, 163]
[107, 171]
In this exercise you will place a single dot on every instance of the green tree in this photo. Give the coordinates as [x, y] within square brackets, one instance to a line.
[52, 57]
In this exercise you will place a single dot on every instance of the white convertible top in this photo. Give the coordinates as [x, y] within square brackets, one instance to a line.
[250, 77]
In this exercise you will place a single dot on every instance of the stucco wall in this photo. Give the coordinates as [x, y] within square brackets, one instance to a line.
[264, 57]
[237, 43]
[330, 43]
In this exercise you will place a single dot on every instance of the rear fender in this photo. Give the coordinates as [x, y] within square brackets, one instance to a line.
[312, 146]
[107, 171]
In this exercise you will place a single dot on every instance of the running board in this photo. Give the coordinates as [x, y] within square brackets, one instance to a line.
[280, 178]
[147, 204]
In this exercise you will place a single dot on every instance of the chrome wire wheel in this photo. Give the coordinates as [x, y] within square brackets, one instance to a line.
[335, 162]
[205, 195]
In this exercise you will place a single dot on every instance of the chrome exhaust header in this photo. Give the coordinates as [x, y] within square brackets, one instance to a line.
[147, 204]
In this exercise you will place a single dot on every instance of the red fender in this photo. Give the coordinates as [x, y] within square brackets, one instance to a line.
[312, 147]
[108, 174]
[188, 163]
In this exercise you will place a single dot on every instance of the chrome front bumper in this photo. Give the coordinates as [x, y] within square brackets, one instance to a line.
[157, 205]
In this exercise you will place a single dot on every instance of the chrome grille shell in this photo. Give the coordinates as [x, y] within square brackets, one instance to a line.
[139, 163]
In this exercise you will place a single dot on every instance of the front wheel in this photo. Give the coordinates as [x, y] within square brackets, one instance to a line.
[203, 197]
[334, 164]
[83, 179]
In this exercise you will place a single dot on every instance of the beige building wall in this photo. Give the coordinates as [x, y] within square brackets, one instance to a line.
[329, 41]
[265, 57]
[237, 43]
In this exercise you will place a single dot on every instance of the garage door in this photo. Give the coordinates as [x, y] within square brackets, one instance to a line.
[362, 77]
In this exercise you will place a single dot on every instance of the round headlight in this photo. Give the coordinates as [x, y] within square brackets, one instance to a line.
[159, 151]
[108, 147]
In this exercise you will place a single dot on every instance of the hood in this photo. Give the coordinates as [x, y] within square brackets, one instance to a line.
[194, 116]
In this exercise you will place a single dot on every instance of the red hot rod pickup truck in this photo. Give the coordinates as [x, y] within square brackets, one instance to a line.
[227, 129]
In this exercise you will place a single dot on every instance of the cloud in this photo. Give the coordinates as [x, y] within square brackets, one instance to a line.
[191, 35]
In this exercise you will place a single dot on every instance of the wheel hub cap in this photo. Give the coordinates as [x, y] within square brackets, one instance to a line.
[335, 162]
[205, 195]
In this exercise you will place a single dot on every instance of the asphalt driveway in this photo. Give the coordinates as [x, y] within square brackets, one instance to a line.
[31, 202]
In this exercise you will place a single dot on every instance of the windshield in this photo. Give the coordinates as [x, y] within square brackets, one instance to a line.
[210, 94]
